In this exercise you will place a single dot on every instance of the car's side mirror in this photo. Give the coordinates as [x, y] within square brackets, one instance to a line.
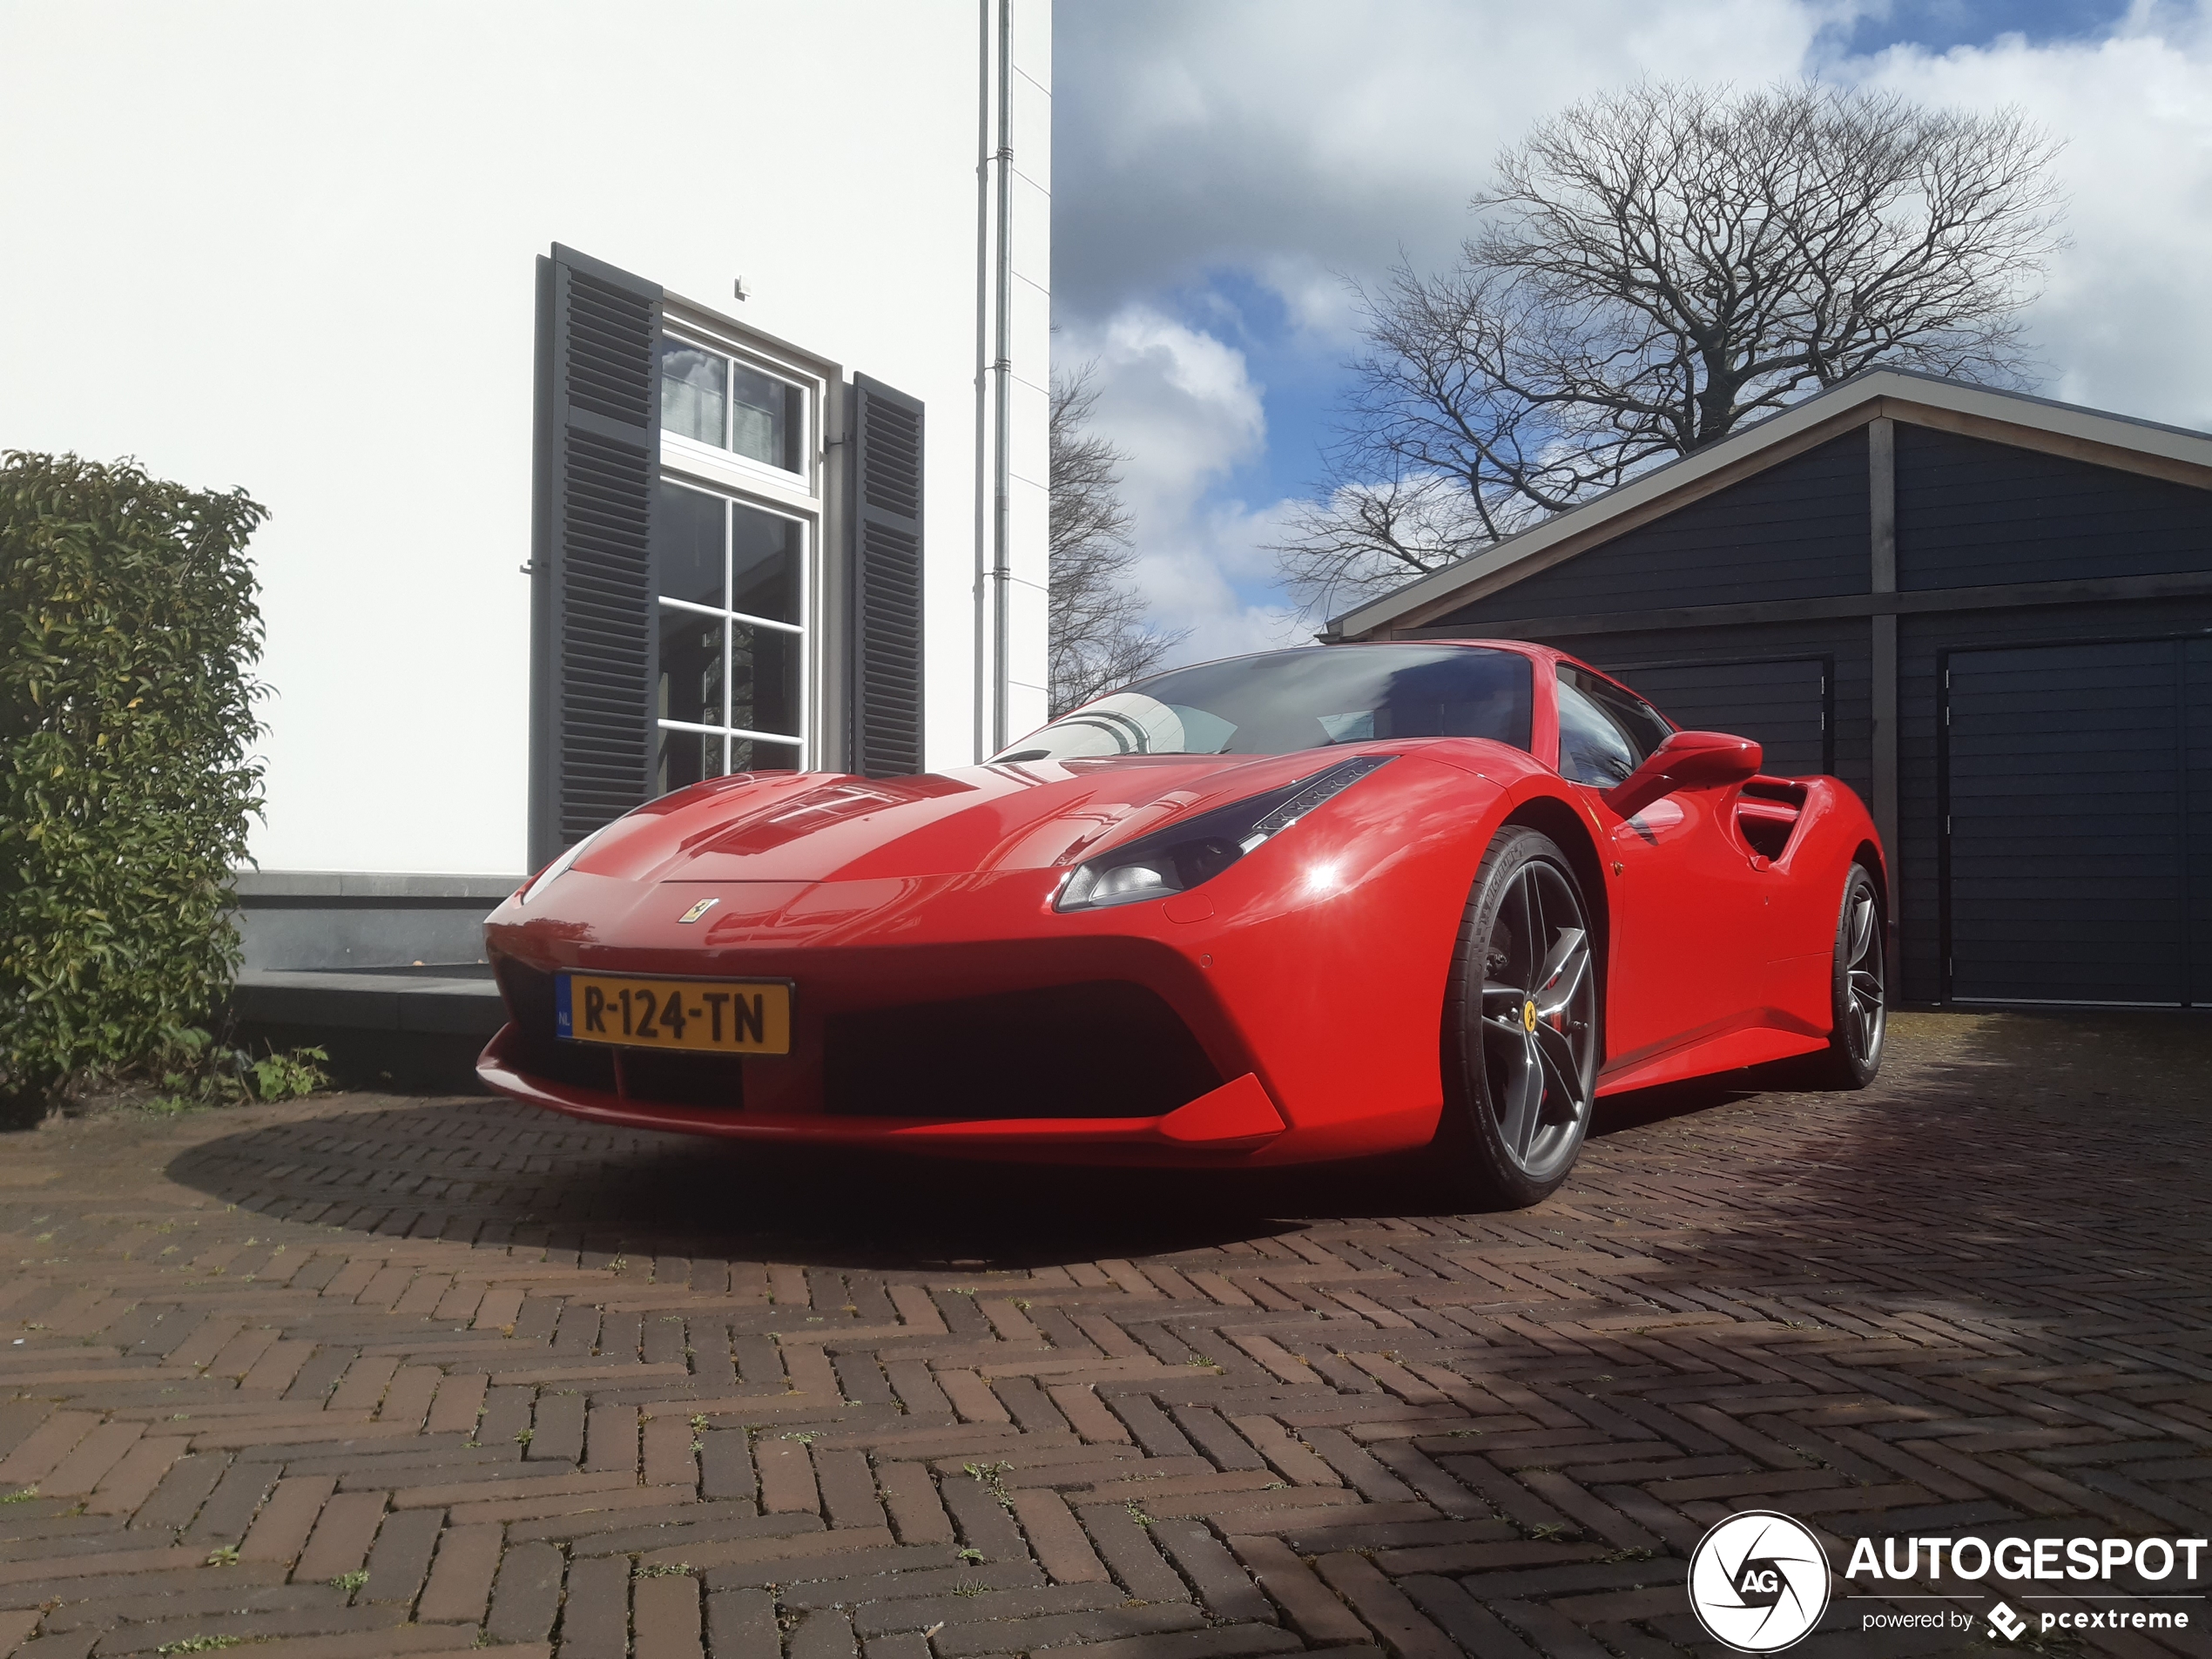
[1686, 761]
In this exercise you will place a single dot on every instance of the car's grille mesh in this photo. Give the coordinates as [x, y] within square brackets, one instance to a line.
[1102, 1050]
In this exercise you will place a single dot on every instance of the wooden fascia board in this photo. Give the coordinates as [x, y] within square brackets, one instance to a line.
[2074, 441]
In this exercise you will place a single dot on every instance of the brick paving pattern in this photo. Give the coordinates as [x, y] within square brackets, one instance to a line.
[365, 1376]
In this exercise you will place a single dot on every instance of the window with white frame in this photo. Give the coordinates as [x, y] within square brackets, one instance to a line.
[680, 526]
[712, 397]
[731, 689]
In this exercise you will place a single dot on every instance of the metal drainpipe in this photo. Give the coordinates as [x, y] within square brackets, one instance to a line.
[1001, 462]
[979, 716]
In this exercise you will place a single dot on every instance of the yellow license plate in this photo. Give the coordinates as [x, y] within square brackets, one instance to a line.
[697, 1015]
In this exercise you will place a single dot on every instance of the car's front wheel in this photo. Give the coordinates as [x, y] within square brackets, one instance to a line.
[1520, 1026]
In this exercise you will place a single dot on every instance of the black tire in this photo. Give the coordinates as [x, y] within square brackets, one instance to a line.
[1522, 1033]
[1858, 989]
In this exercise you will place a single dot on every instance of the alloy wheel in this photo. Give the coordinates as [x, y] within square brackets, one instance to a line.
[1540, 1019]
[1862, 971]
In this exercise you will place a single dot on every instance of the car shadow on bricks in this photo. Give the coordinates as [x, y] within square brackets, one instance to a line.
[496, 1173]
[492, 1170]
[1972, 1112]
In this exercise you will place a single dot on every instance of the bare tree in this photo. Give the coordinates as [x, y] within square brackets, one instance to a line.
[1099, 638]
[1652, 268]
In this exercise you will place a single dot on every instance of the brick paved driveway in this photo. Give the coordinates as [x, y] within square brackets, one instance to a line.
[370, 1376]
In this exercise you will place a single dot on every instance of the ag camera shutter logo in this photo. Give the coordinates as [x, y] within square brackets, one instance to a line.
[1759, 1582]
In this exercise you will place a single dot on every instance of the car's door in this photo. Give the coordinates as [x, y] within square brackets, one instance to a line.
[1689, 940]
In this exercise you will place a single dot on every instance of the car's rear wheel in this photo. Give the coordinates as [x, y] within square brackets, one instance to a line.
[1520, 1026]
[1857, 989]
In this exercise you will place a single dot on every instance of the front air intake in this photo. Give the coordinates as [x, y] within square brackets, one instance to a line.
[641, 1075]
[529, 994]
[1104, 1049]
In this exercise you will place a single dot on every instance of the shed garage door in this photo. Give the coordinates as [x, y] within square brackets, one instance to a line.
[1782, 702]
[2078, 803]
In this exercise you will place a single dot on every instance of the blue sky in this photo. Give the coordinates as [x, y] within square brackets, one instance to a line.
[1938, 26]
[1221, 172]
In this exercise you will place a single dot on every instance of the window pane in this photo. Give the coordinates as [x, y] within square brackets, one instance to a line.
[764, 576]
[1594, 746]
[764, 420]
[764, 679]
[693, 391]
[686, 756]
[1645, 728]
[745, 755]
[687, 542]
[691, 667]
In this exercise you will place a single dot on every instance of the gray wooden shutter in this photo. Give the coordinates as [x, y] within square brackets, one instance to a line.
[595, 470]
[886, 519]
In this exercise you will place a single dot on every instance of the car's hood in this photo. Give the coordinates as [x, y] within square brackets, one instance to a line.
[1029, 815]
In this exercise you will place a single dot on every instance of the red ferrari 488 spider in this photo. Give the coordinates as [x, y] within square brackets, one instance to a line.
[1306, 905]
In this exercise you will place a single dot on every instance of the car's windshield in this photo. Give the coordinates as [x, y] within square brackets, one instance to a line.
[1287, 700]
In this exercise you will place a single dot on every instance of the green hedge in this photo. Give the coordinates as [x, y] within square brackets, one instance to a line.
[128, 632]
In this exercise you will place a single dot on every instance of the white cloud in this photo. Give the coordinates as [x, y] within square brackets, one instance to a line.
[1177, 400]
[1213, 576]
[1181, 405]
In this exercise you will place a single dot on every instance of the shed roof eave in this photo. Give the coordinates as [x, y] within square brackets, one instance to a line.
[1852, 402]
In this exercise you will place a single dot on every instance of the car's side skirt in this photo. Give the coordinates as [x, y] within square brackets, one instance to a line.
[1737, 1045]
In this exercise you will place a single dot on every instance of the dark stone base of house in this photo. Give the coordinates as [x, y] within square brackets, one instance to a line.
[383, 973]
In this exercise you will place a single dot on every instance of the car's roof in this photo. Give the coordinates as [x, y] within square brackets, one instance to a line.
[1521, 647]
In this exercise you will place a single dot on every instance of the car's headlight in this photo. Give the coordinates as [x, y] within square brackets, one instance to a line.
[1179, 857]
[554, 871]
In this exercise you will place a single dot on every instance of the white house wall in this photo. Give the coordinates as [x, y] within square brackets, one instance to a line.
[292, 248]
